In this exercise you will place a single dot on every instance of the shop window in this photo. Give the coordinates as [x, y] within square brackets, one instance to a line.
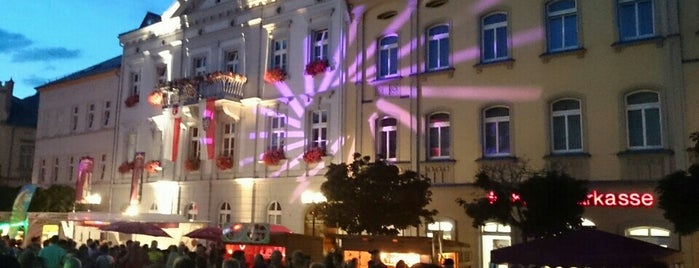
[650, 234]
[444, 226]
[494, 236]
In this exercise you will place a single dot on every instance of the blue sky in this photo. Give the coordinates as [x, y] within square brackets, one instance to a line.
[45, 40]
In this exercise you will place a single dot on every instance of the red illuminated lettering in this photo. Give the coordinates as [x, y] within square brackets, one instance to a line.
[598, 199]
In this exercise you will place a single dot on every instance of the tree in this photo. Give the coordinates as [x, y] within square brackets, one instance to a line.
[678, 196]
[57, 198]
[540, 204]
[374, 197]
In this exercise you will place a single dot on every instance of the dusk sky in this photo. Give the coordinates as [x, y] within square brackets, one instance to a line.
[41, 41]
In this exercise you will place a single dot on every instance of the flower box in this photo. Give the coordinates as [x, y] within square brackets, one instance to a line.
[152, 166]
[131, 100]
[275, 75]
[224, 162]
[316, 67]
[273, 157]
[191, 164]
[313, 155]
[125, 167]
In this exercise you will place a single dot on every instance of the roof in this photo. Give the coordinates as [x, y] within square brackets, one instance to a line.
[149, 19]
[24, 112]
[110, 64]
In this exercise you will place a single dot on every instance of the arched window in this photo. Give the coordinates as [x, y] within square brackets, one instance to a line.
[439, 136]
[496, 131]
[643, 120]
[494, 236]
[566, 126]
[274, 213]
[224, 213]
[191, 211]
[650, 234]
[388, 56]
[388, 137]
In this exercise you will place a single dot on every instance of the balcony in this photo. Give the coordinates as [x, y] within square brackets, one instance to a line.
[217, 85]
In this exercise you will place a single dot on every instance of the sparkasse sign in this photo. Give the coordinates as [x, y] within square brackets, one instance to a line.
[633, 199]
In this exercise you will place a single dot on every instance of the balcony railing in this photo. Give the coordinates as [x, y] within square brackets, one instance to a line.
[218, 85]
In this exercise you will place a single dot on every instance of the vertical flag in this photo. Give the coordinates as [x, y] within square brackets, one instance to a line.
[136, 176]
[20, 207]
[208, 123]
[171, 135]
[84, 180]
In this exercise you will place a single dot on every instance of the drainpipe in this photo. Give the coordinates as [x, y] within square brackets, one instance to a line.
[115, 142]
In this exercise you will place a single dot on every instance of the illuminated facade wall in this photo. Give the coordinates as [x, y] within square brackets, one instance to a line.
[77, 118]
[446, 87]
[302, 111]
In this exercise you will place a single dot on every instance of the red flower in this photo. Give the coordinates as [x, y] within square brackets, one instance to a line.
[316, 67]
[274, 75]
[191, 164]
[224, 162]
[125, 167]
[273, 157]
[152, 166]
[131, 100]
[313, 155]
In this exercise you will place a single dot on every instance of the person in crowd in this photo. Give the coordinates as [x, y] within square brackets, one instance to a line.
[258, 261]
[448, 263]
[53, 253]
[375, 261]
[172, 255]
[239, 256]
[71, 261]
[155, 256]
[200, 258]
[401, 264]
[104, 259]
[232, 263]
[275, 260]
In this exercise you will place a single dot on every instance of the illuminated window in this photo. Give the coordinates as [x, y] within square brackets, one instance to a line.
[650, 234]
[74, 118]
[643, 120]
[90, 118]
[134, 84]
[161, 74]
[388, 56]
[191, 211]
[496, 131]
[635, 19]
[494, 236]
[71, 167]
[445, 226]
[319, 129]
[232, 62]
[56, 167]
[274, 213]
[228, 138]
[566, 126]
[494, 37]
[194, 148]
[224, 213]
[279, 47]
[438, 47]
[562, 25]
[106, 113]
[320, 45]
[199, 66]
[439, 136]
[388, 138]
[277, 132]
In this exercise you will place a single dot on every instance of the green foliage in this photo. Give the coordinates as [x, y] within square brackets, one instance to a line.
[374, 197]
[57, 198]
[540, 204]
[679, 198]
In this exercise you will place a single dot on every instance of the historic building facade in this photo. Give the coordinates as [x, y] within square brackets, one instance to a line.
[602, 89]
[17, 135]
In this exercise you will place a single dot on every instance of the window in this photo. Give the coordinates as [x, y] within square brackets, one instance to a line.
[496, 131]
[319, 129]
[103, 166]
[650, 234]
[194, 148]
[26, 156]
[494, 236]
[274, 213]
[388, 138]
[56, 167]
[134, 80]
[277, 132]
[562, 25]
[228, 139]
[320, 45]
[161, 74]
[279, 47]
[635, 18]
[199, 66]
[71, 167]
[445, 226]
[494, 34]
[643, 120]
[388, 56]
[566, 126]
[438, 47]
[232, 63]
[74, 118]
[107, 113]
[224, 214]
[90, 115]
[438, 135]
[42, 171]
[192, 210]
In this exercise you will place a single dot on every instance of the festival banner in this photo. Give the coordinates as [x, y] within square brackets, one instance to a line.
[20, 207]
[172, 135]
[208, 123]
[84, 180]
[136, 177]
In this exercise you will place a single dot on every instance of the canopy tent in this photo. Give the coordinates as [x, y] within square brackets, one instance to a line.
[585, 248]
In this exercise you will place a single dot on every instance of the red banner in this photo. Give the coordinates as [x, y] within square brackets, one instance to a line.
[176, 137]
[84, 180]
[136, 176]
